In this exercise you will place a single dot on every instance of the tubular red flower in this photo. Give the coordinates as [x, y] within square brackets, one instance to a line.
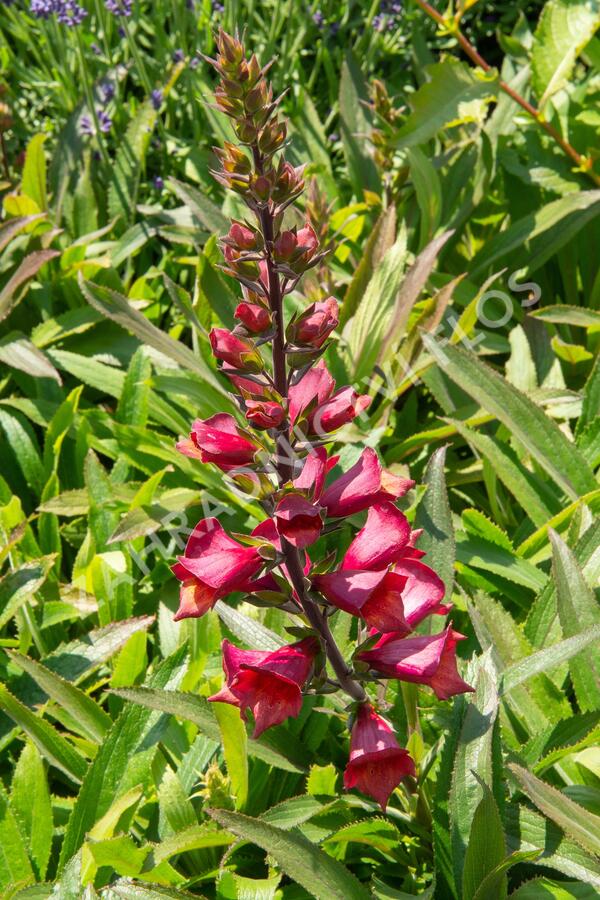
[268, 683]
[264, 413]
[377, 762]
[381, 541]
[424, 591]
[315, 324]
[314, 469]
[231, 349]
[374, 596]
[422, 659]
[298, 520]
[363, 485]
[253, 316]
[212, 566]
[314, 388]
[343, 407]
[219, 440]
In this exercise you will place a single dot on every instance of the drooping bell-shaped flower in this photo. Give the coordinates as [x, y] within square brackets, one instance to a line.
[364, 484]
[381, 541]
[267, 683]
[212, 566]
[253, 316]
[421, 659]
[298, 520]
[264, 413]
[423, 593]
[219, 440]
[341, 408]
[377, 762]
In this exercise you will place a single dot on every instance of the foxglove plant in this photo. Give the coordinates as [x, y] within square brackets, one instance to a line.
[292, 408]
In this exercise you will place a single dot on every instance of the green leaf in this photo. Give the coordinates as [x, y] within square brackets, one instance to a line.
[379, 241]
[31, 804]
[527, 830]
[27, 268]
[523, 484]
[576, 821]
[132, 408]
[203, 209]
[325, 878]
[90, 717]
[370, 322]
[122, 761]
[532, 240]
[434, 516]
[235, 748]
[196, 837]
[547, 889]
[548, 658]
[53, 747]
[537, 432]
[486, 849]
[354, 126]
[590, 398]
[118, 308]
[568, 315]
[473, 761]
[563, 30]
[17, 587]
[15, 867]
[33, 182]
[272, 749]
[492, 885]
[17, 351]
[447, 98]
[578, 613]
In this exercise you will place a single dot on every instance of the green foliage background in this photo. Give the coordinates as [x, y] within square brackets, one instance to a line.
[118, 779]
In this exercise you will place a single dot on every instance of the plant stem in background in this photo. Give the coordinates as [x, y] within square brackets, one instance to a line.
[583, 163]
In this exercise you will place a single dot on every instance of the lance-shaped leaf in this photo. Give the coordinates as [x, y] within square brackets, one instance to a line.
[576, 821]
[564, 28]
[540, 435]
[323, 877]
[578, 612]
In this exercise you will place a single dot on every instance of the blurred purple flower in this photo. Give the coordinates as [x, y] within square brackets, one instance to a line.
[119, 7]
[318, 18]
[85, 125]
[96, 49]
[217, 7]
[104, 120]
[158, 183]
[334, 28]
[67, 12]
[178, 56]
[108, 90]
[156, 98]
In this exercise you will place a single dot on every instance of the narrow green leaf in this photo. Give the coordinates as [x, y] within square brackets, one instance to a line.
[325, 878]
[578, 613]
[31, 804]
[53, 747]
[15, 867]
[33, 182]
[203, 209]
[576, 821]
[90, 717]
[563, 30]
[485, 851]
[548, 658]
[235, 748]
[539, 434]
[435, 518]
[17, 587]
[444, 100]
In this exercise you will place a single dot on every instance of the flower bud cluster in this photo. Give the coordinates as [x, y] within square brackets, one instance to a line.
[291, 409]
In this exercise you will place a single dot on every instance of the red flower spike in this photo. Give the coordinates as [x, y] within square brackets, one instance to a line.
[298, 520]
[422, 659]
[231, 349]
[268, 683]
[254, 317]
[264, 413]
[315, 324]
[363, 485]
[374, 596]
[377, 762]
[219, 440]
[212, 566]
